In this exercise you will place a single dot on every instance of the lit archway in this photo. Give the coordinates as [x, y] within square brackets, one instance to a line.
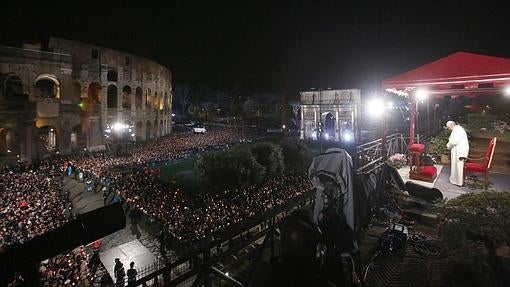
[49, 137]
[155, 104]
[47, 86]
[148, 99]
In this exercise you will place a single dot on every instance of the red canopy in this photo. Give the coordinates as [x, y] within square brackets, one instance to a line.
[458, 71]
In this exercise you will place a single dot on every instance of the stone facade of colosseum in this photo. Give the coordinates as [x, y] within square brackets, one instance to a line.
[76, 96]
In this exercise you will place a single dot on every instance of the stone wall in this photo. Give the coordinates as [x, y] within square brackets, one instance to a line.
[78, 90]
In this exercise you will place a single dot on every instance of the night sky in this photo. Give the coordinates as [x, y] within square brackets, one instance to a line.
[272, 46]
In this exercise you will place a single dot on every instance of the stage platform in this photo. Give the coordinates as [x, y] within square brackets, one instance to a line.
[127, 252]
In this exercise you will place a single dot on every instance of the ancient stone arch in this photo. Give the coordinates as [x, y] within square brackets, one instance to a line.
[12, 87]
[337, 110]
[47, 86]
[49, 136]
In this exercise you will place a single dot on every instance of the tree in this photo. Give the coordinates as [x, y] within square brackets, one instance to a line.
[182, 94]
[234, 168]
[270, 156]
[250, 107]
[476, 229]
[481, 216]
[296, 154]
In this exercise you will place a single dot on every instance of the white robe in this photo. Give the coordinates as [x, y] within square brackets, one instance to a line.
[459, 147]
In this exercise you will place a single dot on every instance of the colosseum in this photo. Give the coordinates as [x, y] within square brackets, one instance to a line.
[75, 96]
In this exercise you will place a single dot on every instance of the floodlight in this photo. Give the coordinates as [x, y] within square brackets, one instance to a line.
[375, 107]
[421, 94]
[347, 136]
[507, 91]
[118, 126]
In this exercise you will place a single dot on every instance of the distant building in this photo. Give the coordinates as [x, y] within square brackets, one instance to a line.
[78, 95]
[338, 111]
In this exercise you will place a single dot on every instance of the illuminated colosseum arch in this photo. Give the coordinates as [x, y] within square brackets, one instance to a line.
[148, 99]
[155, 103]
[126, 97]
[94, 92]
[111, 97]
[47, 86]
[49, 137]
[138, 98]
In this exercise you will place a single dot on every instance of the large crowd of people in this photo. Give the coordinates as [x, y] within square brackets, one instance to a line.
[160, 151]
[193, 217]
[71, 269]
[32, 201]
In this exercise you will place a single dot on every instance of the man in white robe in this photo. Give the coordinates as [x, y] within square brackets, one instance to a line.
[459, 147]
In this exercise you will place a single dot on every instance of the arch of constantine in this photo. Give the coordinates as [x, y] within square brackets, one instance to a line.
[337, 110]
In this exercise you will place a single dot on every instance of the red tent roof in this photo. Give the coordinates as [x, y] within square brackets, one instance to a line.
[460, 68]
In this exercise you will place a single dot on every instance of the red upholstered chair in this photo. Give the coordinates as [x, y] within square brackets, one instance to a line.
[415, 155]
[482, 164]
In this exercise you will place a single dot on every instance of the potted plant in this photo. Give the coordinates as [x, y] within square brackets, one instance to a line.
[397, 160]
[437, 146]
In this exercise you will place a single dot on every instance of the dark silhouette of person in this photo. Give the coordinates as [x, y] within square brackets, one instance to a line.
[119, 274]
[131, 274]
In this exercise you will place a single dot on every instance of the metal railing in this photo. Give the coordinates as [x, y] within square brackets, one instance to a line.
[369, 156]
